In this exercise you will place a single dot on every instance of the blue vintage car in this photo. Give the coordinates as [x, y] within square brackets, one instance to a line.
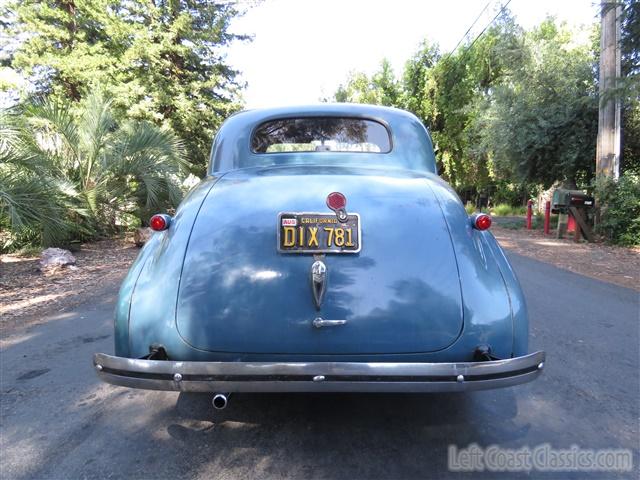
[322, 252]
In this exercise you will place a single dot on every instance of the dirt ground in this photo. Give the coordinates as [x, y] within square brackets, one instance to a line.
[605, 262]
[26, 294]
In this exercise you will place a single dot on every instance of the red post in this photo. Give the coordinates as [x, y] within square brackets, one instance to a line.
[529, 213]
[547, 217]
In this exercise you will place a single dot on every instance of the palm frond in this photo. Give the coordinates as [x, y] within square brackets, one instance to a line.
[156, 147]
[53, 130]
[95, 125]
[77, 175]
[9, 130]
[30, 202]
[144, 156]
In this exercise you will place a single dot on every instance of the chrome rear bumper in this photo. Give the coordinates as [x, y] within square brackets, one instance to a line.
[317, 376]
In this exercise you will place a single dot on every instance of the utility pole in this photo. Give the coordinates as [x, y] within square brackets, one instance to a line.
[608, 148]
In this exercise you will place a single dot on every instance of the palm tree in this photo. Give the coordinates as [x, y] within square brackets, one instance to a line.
[75, 174]
[31, 206]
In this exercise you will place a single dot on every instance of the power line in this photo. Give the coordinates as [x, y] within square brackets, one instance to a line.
[469, 29]
[488, 25]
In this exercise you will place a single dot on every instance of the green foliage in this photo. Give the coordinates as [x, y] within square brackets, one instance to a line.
[630, 41]
[67, 176]
[511, 108]
[620, 219]
[537, 223]
[470, 208]
[631, 137]
[503, 210]
[31, 206]
[381, 89]
[417, 81]
[511, 193]
[627, 88]
[541, 122]
[161, 62]
[459, 90]
[630, 47]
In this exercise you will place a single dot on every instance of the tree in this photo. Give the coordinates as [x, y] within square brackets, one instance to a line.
[630, 41]
[382, 88]
[509, 108]
[542, 119]
[417, 81]
[66, 176]
[32, 202]
[456, 89]
[630, 46]
[160, 61]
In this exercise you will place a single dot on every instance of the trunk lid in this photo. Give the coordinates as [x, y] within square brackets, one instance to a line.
[399, 294]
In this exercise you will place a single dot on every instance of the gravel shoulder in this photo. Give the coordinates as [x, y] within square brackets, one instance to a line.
[609, 263]
[27, 295]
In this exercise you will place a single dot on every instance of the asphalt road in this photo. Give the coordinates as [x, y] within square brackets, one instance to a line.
[58, 421]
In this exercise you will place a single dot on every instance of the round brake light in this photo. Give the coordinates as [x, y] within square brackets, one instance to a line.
[336, 201]
[482, 221]
[159, 222]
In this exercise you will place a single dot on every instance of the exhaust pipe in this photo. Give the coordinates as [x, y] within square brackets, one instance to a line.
[220, 401]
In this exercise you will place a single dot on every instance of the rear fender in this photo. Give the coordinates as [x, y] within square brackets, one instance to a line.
[487, 306]
[123, 304]
[519, 314]
[149, 291]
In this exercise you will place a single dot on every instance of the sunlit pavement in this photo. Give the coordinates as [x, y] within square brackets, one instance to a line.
[59, 422]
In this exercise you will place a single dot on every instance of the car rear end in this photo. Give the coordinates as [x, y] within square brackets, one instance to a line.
[322, 253]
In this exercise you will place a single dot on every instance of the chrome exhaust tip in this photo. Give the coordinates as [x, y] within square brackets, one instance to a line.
[220, 401]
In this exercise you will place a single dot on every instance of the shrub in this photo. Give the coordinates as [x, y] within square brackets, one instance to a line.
[470, 208]
[512, 193]
[502, 210]
[538, 221]
[620, 214]
[68, 177]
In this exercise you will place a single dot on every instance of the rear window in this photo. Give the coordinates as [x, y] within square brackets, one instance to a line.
[321, 134]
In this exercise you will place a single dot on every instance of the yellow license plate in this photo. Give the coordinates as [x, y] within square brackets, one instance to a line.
[318, 233]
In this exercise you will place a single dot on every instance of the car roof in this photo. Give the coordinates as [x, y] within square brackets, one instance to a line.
[332, 109]
[409, 135]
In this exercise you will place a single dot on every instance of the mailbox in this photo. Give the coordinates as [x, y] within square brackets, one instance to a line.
[563, 199]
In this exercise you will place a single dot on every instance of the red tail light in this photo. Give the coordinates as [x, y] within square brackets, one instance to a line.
[336, 201]
[481, 221]
[159, 222]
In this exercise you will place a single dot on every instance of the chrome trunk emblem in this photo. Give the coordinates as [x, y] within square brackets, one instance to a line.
[318, 282]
